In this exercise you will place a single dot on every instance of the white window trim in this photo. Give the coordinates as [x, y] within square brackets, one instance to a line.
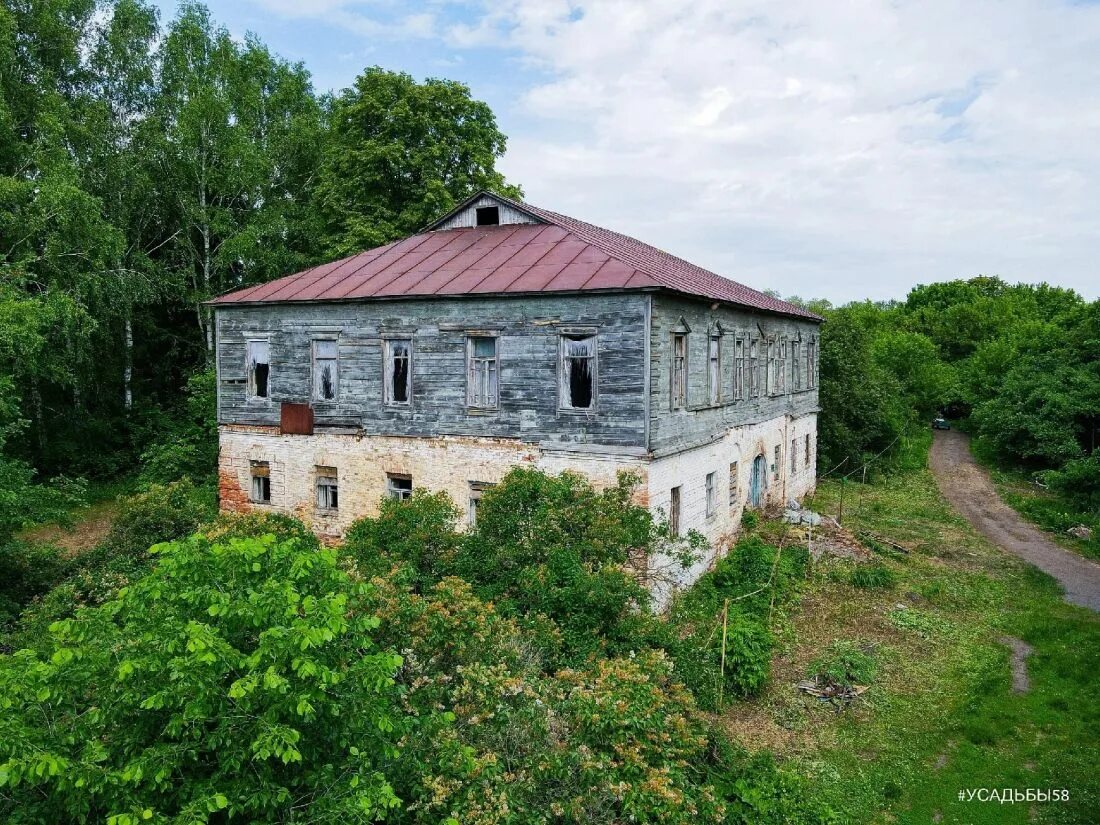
[387, 373]
[470, 359]
[249, 384]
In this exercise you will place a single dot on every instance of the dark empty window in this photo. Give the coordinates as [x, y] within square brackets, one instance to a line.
[398, 371]
[259, 368]
[488, 215]
[261, 482]
[399, 486]
[578, 371]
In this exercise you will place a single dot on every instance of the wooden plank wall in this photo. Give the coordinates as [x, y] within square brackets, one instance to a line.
[529, 345]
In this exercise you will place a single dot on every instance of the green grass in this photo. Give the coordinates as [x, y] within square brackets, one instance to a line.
[941, 716]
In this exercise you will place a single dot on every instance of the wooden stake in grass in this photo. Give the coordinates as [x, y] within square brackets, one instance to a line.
[722, 668]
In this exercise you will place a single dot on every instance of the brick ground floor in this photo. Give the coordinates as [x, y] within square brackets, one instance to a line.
[754, 465]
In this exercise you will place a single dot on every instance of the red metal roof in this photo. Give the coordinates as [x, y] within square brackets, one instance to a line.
[559, 254]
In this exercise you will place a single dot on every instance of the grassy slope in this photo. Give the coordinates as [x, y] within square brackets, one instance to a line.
[941, 716]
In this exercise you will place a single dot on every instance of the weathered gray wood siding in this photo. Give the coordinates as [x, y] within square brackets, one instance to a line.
[700, 421]
[528, 329]
[468, 216]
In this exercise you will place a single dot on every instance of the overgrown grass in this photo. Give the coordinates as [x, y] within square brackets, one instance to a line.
[940, 716]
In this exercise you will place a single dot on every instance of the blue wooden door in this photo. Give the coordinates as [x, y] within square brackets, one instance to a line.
[758, 483]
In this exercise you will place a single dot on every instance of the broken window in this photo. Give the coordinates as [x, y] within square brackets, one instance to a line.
[324, 370]
[674, 511]
[733, 484]
[327, 490]
[399, 486]
[578, 372]
[488, 215]
[811, 364]
[712, 495]
[476, 489]
[679, 370]
[714, 369]
[739, 369]
[778, 462]
[398, 371]
[261, 482]
[259, 368]
[796, 367]
[794, 455]
[481, 372]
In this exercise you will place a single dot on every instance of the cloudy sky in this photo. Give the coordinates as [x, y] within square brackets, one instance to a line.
[838, 150]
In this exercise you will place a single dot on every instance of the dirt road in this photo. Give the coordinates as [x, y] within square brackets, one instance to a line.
[968, 488]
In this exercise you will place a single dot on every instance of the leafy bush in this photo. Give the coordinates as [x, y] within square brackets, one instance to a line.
[237, 677]
[187, 442]
[749, 519]
[845, 663]
[1078, 482]
[161, 513]
[417, 534]
[29, 571]
[251, 524]
[872, 577]
[554, 546]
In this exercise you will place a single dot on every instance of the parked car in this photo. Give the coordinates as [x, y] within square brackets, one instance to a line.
[940, 423]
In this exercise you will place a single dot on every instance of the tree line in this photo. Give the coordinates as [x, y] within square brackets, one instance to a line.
[146, 166]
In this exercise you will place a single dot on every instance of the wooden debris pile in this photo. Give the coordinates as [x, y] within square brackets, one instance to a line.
[828, 690]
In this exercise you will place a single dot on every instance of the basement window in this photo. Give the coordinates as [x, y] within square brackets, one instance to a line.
[399, 486]
[261, 482]
[794, 455]
[476, 489]
[778, 463]
[259, 368]
[328, 497]
[488, 215]
[578, 372]
[324, 370]
[733, 484]
[712, 495]
[674, 511]
[398, 371]
[482, 372]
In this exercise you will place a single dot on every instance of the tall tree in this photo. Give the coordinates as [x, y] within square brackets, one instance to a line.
[400, 153]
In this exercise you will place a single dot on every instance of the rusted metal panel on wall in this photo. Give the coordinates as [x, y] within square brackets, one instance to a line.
[295, 419]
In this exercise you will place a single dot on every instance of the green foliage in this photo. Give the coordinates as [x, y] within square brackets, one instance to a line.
[401, 153]
[30, 570]
[1078, 482]
[161, 513]
[845, 663]
[237, 677]
[418, 534]
[872, 577]
[187, 447]
[926, 625]
[750, 519]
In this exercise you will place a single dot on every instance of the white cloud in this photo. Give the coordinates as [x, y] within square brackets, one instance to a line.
[840, 150]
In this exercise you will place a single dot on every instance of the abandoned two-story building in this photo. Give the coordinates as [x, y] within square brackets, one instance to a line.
[504, 335]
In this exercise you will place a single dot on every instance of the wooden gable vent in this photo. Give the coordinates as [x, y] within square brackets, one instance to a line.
[295, 419]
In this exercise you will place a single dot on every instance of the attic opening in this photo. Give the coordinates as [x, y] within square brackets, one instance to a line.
[488, 216]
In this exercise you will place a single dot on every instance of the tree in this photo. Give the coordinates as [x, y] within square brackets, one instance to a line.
[238, 676]
[400, 153]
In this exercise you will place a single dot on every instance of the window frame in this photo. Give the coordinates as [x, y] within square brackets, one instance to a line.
[259, 470]
[735, 492]
[811, 363]
[594, 369]
[710, 487]
[714, 368]
[328, 479]
[314, 359]
[477, 489]
[796, 365]
[794, 455]
[777, 467]
[399, 493]
[250, 375]
[675, 507]
[388, 372]
[754, 367]
[471, 361]
[678, 390]
[739, 369]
